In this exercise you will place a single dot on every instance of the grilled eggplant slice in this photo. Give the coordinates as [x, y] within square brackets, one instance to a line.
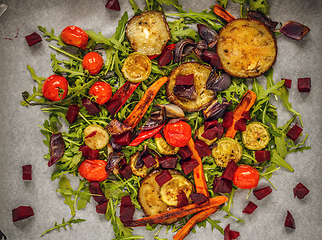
[148, 32]
[247, 48]
[204, 96]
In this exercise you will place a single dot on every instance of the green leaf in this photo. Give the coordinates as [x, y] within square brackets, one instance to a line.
[98, 37]
[64, 224]
[51, 36]
[64, 185]
[135, 7]
[276, 158]
[259, 5]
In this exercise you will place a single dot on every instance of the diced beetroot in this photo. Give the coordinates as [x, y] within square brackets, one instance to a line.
[22, 212]
[233, 234]
[220, 130]
[198, 198]
[165, 57]
[294, 132]
[202, 148]
[261, 193]
[84, 149]
[91, 108]
[230, 234]
[210, 124]
[287, 82]
[126, 214]
[210, 133]
[126, 171]
[95, 188]
[33, 38]
[123, 139]
[72, 113]
[262, 155]
[123, 162]
[222, 185]
[228, 120]
[101, 208]
[126, 201]
[215, 61]
[289, 221]
[26, 172]
[188, 165]
[304, 85]
[300, 191]
[163, 177]
[148, 160]
[250, 208]
[185, 152]
[168, 161]
[208, 56]
[230, 170]
[182, 199]
[92, 134]
[113, 5]
[240, 125]
[93, 154]
[246, 115]
[116, 147]
[186, 80]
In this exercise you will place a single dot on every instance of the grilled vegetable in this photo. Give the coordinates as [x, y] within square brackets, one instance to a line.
[256, 136]
[96, 137]
[200, 131]
[227, 149]
[136, 67]
[139, 171]
[164, 148]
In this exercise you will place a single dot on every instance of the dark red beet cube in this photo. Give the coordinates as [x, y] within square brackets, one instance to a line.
[185, 152]
[230, 170]
[91, 108]
[148, 160]
[240, 125]
[26, 172]
[101, 208]
[113, 5]
[182, 199]
[228, 120]
[246, 115]
[123, 139]
[294, 132]
[304, 85]
[300, 191]
[210, 124]
[72, 113]
[126, 214]
[230, 234]
[215, 62]
[261, 193]
[126, 201]
[262, 155]
[198, 198]
[126, 171]
[289, 221]
[222, 185]
[186, 80]
[95, 188]
[165, 57]
[202, 148]
[33, 38]
[210, 133]
[93, 154]
[21, 212]
[163, 177]
[250, 208]
[233, 234]
[188, 165]
[168, 161]
[208, 56]
[123, 162]
[287, 82]
[84, 149]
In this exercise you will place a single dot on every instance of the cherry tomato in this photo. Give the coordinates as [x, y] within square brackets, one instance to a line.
[102, 91]
[246, 177]
[93, 62]
[93, 170]
[55, 88]
[74, 36]
[177, 134]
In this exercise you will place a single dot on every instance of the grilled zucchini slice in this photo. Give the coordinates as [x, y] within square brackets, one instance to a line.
[136, 67]
[225, 150]
[143, 171]
[256, 136]
[96, 137]
[165, 148]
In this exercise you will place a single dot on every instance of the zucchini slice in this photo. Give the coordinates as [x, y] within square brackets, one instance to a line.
[96, 137]
[136, 67]
[225, 150]
[143, 171]
[165, 148]
[256, 136]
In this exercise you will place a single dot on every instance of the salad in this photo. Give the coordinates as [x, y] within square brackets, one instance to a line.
[168, 121]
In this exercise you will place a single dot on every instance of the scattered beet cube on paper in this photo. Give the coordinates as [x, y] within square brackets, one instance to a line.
[294, 132]
[287, 82]
[300, 191]
[22, 212]
[250, 208]
[33, 38]
[289, 221]
[26, 172]
[304, 85]
[113, 5]
[230, 234]
[262, 193]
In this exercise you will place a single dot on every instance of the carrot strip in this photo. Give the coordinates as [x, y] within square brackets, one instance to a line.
[244, 105]
[178, 212]
[221, 12]
[198, 173]
[140, 109]
[184, 231]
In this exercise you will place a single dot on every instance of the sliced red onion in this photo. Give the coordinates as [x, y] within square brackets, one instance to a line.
[294, 30]
[173, 111]
[261, 17]
[208, 34]
[57, 148]
[216, 110]
[112, 160]
[115, 127]
[183, 48]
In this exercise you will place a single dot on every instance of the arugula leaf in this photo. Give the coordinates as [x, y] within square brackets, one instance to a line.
[51, 36]
[259, 5]
[64, 186]
[178, 29]
[135, 7]
[64, 224]
[276, 158]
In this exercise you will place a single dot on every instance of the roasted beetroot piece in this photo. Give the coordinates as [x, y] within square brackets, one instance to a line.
[262, 155]
[202, 148]
[210, 124]
[228, 120]
[210, 133]
[126, 214]
[216, 62]
[300, 191]
[186, 80]
[208, 56]
[169, 161]
[113, 4]
[263, 192]
[222, 185]
[148, 160]
[112, 161]
[91, 108]
[185, 152]
[304, 85]
[240, 125]
[26, 172]
[182, 199]
[188, 165]
[208, 34]
[289, 221]
[95, 189]
[33, 38]
[123, 162]
[72, 113]
[126, 171]
[287, 82]
[294, 132]
[101, 208]
[230, 170]
[93, 154]
[229, 234]
[250, 208]
[126, 201]
[116, 147]
[294, 30]
[246, 115]
[85, 150]
[165, 57]
[57, 148]
[198, 198]
[163, 177]
[123, 139]
[22, 212]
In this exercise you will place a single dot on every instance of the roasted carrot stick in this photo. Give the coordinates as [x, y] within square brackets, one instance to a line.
[140, 109]
[221, 12]
[244, 106]
[184, 231]
[178, 212]
[198, 173]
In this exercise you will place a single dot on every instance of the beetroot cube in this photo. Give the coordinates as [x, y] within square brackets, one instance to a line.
[91, 108]
[294, 132]
[26, 172]
[261, 193]
[72, 113]
[186, 80]
[113, 5]
[215, 61]
[21, 212]
[240, 125]
[222, 185]
[101, 208]
[163, 177]
[126, 214]
[93, 154]
[185, 152]
[123, 162]
[210, 133]
[168, 161]
[208, 56]
[289, 221]
[148, 160]
[262, 155]
[165, 57]
[85, 150]
[182, 199]
[126, 171]
[202, 148]
[304, 85]
[246, 115]
[210, 124]
[123, 139]
[230, 170]
[300, 191]
[287, 82]
[198, 198]
[33, 38]
[228, 120]
[250, 208]
[189, 165]
[233, 234]
[95, 188]
[126, 201]
[226, 232]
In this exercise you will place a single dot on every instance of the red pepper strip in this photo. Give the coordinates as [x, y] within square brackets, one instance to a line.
[120, 97]
[171, 47]
[157, 135]
[145, 135]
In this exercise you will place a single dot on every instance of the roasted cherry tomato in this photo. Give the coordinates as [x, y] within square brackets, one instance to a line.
[246, 177]
[102, 91]
[177, 134]
[93, 170]
[74, 36]
[93, 62]
[55, 88]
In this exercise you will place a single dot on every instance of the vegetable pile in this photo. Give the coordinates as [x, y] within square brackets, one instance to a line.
[161, 117]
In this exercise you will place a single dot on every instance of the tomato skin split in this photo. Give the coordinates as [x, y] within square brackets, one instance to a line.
[93, 170]
[53, 86]
[177, 134]
[93, 62]
[74, 36]
[102, 91]
[246, 177]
